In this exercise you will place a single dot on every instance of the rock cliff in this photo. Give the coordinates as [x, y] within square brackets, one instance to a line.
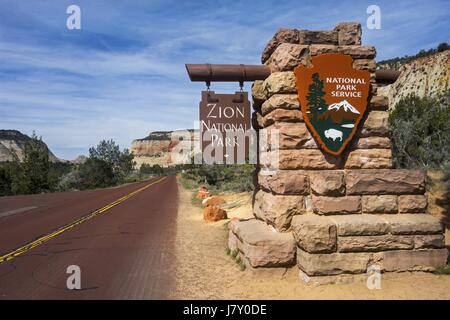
[13, 141]
[158, 147]
[426, 76]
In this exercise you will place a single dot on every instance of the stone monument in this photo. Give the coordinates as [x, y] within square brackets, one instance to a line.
[331, 216]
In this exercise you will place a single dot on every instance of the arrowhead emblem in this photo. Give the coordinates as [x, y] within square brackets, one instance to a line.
[333, 98]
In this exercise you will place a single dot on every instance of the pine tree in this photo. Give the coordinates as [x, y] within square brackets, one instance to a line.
[316, 102]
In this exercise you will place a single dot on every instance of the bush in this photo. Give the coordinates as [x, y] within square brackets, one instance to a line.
[420, 131]
[220, 177]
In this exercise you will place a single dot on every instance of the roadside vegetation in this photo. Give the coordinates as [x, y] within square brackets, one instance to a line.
[106, 166]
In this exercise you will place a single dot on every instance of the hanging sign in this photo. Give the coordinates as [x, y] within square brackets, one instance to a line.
[333, 98]
[224, 123]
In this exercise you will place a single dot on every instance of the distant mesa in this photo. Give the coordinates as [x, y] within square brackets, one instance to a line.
[157, 147]
[13, 141]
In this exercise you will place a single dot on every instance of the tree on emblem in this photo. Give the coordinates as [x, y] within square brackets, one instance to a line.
[316, 102]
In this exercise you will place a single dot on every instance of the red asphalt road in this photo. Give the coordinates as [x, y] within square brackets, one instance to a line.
[124, 253]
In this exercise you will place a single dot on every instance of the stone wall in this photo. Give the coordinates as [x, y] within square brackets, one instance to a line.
[344, 213]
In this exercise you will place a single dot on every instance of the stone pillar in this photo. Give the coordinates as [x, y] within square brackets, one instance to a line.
[343, 213]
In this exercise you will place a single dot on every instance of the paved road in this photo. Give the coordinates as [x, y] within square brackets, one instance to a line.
[124, 250]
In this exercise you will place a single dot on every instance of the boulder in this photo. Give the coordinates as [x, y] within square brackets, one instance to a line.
[211, 213]
[301, 159]
[380, 103]
[213, 201]
[203, 193]
[258, 94]
[318, 49]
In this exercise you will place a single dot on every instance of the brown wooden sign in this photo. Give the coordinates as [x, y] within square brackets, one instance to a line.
[333, 98]
[224, 121]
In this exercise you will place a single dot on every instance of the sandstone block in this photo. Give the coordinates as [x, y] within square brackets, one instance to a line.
[258, 94]
[277, 210]
[283, 135]
[302, 159]
[369, 159]
[279, 82]
[336, 205]
[262, 246]
[327, 183]
[412, 203]
[394, 181]
[285, 182]
[317, 49]
[370, 143]
[287, 56]
[379, 204]
[358, 52]
[376, 124]
[334, 263]
[429, 241]
[349, 33]
[374, 243]
[318, 37]
[281, 115]
[360, 225]
[257, 120]
[380, 103]
[280, 101]
[314, 234]
[282, 36]
[232, 241]
[414, 260]
[365, 64]
[413, 224]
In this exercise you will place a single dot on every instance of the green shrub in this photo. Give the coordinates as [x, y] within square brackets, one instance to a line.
[420, 131]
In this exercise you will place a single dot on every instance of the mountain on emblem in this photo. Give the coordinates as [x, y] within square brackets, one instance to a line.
[333, 98]
[343, 104]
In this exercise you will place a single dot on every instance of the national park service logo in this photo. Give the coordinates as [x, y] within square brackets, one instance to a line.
[333, 98]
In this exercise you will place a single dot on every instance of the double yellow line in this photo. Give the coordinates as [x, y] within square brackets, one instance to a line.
[17, 252]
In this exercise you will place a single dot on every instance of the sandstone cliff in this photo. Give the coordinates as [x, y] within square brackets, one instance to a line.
[158, 146]
[13, 141]
[427, 76]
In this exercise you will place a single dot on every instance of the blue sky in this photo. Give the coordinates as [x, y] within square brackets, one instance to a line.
[122, 75]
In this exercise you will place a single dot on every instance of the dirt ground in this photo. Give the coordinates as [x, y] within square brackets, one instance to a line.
[204, 271]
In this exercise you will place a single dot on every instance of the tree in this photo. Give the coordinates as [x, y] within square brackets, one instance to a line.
[120, 162]
[443, 46]
[316, 102]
